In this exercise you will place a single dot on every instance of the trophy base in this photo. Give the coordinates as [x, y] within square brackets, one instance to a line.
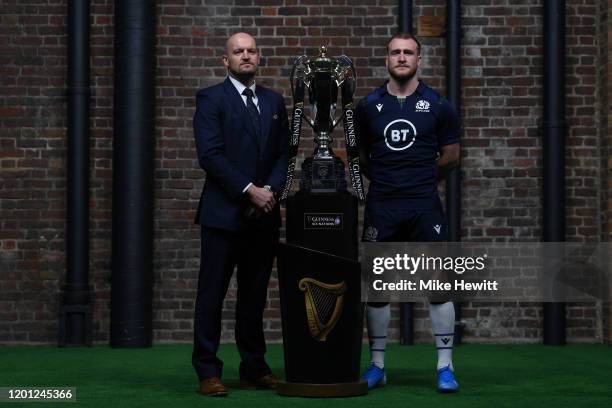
[323, 175]
[322, 390]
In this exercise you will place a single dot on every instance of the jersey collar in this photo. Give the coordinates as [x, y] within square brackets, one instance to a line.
[420, 89]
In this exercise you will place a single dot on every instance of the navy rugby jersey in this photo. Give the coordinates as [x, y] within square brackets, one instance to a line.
[403, 142]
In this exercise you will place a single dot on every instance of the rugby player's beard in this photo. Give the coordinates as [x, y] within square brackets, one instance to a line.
[244, 77]
[402, 79]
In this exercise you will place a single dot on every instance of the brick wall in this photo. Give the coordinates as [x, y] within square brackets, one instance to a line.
[502, 107]
[32, 143]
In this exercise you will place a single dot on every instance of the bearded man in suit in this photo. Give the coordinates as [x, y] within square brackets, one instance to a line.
[241, 133]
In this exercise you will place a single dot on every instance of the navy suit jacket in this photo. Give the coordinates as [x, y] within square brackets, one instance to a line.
[229, 152]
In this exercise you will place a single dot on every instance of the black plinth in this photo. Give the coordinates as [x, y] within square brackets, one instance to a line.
[321, 360]
[319, 281]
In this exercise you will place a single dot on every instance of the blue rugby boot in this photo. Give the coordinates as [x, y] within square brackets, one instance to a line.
[446, 380]
[375, 376]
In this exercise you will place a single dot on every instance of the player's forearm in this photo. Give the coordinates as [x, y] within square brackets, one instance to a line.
[447, 162]
[449, 158]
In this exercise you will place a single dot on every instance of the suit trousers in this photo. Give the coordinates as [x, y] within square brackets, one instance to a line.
[252, 251]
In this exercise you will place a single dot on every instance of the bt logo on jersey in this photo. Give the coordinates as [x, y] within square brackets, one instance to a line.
[399, 134]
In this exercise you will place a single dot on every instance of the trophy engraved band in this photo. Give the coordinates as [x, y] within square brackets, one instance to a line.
[323, 76]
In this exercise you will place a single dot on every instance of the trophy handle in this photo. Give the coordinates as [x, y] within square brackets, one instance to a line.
[301, 72]
[298, 79]
[345, 77]
[345, 71]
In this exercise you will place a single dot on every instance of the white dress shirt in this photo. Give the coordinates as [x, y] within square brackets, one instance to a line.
[240, 88]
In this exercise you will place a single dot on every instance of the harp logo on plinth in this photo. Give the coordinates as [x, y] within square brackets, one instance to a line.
[323, 302]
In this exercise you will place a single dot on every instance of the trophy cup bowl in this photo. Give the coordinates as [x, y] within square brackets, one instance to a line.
[322, 76]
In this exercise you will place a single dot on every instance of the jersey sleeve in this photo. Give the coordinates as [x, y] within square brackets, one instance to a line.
[449, 126]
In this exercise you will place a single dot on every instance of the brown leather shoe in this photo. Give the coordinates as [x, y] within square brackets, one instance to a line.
[267, 382]
[212, 387]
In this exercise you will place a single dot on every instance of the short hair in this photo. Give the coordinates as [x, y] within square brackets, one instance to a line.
[405, 36]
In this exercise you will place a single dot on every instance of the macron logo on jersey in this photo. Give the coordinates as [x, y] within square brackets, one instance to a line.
[379, 106]
[422, 106]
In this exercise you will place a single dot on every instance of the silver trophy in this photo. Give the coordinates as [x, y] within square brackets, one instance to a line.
[323, 77]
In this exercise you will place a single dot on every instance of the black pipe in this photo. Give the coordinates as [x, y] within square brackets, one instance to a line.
[404, 23]
[453, 93]
[406, 323]
[554, 152]
[75, 321]
[404, 11]
[133, 169]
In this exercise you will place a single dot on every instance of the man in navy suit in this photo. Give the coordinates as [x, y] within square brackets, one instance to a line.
[242, 134]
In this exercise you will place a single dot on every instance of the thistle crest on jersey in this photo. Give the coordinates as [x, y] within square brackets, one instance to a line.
[422, 106]
[370, 234]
